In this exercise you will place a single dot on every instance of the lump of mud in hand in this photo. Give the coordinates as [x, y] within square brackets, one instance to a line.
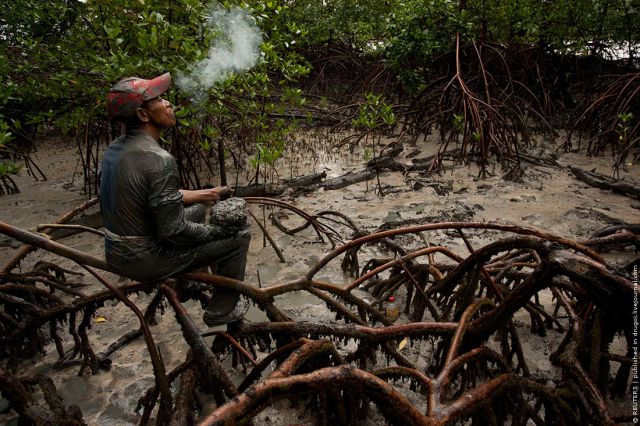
[229, 213]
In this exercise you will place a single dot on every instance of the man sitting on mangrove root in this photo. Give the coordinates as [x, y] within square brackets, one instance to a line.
[153, 228]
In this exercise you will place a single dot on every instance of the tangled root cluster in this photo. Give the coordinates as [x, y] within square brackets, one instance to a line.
[457, 355]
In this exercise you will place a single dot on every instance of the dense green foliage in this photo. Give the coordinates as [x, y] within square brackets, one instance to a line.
[58, 59]
[61, 57]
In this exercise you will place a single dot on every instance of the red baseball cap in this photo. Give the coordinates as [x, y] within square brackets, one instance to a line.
[128, 95]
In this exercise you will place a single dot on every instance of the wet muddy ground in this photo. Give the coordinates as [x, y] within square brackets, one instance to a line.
[548, 199]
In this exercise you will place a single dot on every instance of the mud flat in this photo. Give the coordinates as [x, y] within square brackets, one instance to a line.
[548, 199]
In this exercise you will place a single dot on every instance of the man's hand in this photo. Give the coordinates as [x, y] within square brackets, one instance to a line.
[204, 195]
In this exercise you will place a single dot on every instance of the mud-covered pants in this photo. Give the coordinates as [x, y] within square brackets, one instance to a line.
[225, 256]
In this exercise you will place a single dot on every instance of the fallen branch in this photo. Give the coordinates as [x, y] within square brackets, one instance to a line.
[604, 182]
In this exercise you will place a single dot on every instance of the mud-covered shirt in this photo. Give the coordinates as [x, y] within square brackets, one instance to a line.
[147, 235]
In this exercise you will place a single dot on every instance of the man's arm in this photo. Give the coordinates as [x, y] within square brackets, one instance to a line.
[166, 205]
[192, 196]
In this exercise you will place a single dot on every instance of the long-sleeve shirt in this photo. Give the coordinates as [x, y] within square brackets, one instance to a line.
[148, 237]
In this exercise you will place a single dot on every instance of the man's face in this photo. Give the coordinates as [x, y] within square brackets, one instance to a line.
[160, 112]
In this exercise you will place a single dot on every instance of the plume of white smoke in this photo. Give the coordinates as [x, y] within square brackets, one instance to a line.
[236, 48]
